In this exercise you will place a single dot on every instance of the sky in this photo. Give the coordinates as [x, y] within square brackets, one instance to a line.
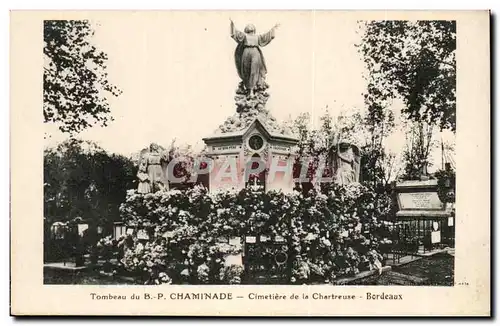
[178, 76]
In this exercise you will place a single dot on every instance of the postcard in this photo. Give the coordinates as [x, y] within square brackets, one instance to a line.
[250, 163]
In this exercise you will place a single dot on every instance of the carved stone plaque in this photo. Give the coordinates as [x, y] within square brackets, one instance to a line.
[420, 200]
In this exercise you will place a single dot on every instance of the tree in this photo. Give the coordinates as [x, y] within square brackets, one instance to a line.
[315, 145]
[82, 180]
[367, 129]
[419, 144]
[75, 81]
[416, 62]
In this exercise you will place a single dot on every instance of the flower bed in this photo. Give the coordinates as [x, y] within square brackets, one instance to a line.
[332, 234]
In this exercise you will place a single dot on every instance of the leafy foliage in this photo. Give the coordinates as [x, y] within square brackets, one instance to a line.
[415, 61]
[81, 179]
[75, 81]
[446, 185]
[367, 130]
[377, 166]
[416, 154]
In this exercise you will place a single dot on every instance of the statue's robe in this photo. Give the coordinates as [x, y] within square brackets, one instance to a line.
[156, 171]
[348, 165]
[248, 57]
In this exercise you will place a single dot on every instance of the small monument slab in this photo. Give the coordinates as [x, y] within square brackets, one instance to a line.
[419, 199]
[421, 210]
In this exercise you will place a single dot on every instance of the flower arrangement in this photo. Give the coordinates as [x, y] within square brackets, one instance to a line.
[329, 234]
[232, 274]
[111, 250]
[148, 263]
[108, 248]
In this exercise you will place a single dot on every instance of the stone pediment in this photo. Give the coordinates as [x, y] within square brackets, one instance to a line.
[248, 137]
[256, 124]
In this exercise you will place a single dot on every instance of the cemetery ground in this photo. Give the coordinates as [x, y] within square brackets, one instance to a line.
[435, 270]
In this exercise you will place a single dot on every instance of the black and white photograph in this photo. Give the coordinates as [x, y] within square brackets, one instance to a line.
[358, 189]
[311, 151]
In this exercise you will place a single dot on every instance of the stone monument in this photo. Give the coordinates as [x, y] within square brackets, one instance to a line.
[152, 174]
[251, 143]
[422, 214]
[345, 159]
[419, 198]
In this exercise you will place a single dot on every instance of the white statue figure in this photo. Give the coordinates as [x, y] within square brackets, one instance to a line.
[347, 163]
[153, 163]
[249, 59]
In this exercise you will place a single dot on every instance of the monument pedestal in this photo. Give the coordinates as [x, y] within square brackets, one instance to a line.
[424, 218]
[252, 156]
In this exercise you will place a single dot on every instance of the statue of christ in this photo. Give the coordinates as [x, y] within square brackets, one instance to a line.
[248, 56]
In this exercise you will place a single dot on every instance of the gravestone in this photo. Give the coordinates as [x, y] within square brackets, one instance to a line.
[422, 214]
[419, 199]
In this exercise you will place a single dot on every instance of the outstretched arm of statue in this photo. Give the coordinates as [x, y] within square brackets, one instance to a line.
[266, 38]
[237, 35]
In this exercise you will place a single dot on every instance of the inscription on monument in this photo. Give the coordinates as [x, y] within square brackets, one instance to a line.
[226, 148]
[280, 148]
[420, 200]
